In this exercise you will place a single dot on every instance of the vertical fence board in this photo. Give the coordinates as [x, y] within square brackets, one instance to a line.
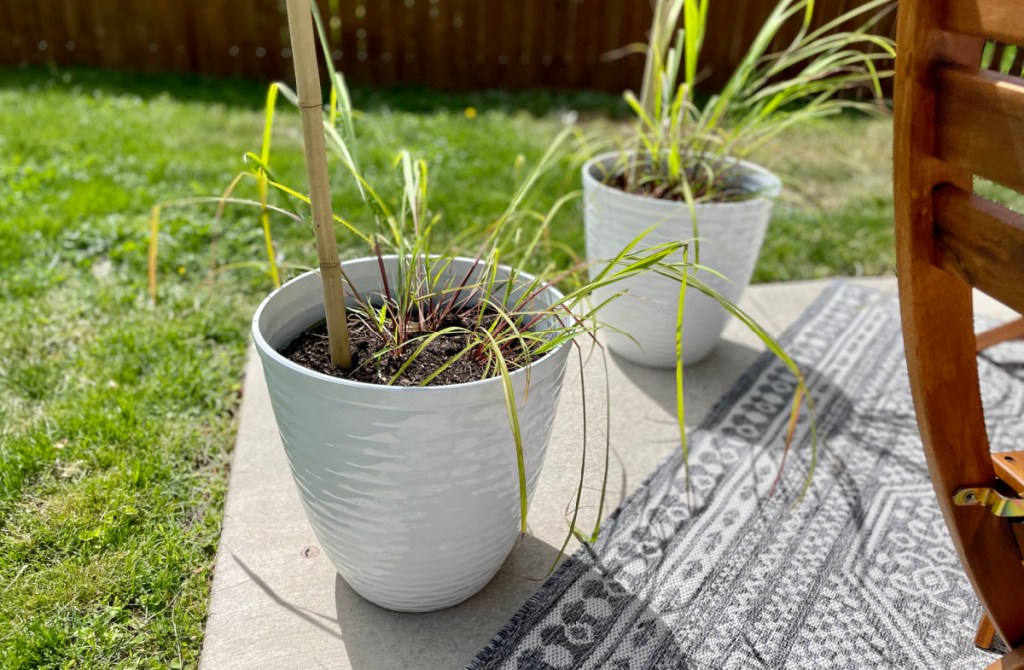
[246, 21]
[614, 27]
[86, 47]
[488, 14]
[524, 63]
[8, 50]
[348, 50]
[245, 40]
[402, 49]
[141, 45]
[553, 59]
[27, 33]
[418, 26]
[378, 25]
[130, 34]
[468, 41]
[40, 27]
[208, 36]
[437, 56]
[571, 65]
[385, 12]
[458, 58]
[189, 21]
[509, 67]
[53, 30]
[371, 44]
[269, 63]
[103, 48]
[170, 35]
[588, 31]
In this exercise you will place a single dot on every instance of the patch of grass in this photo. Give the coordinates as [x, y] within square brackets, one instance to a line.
[836, 214]
[117, 417]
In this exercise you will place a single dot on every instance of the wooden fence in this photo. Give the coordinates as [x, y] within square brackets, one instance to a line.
[448, 44]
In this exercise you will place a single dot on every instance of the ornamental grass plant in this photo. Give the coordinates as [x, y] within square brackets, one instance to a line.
[687, 148]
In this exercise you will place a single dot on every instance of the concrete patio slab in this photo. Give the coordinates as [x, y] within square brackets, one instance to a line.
[277, 602]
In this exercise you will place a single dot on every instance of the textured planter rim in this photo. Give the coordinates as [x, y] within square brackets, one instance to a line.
[262, 343]
[748, 167]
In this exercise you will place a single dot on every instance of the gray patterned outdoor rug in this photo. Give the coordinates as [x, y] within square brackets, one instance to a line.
[861, 574]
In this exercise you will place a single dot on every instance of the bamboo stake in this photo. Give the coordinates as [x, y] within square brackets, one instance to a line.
[307, 79]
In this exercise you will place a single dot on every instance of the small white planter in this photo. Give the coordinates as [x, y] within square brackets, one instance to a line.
[413, 493]
[730, 241]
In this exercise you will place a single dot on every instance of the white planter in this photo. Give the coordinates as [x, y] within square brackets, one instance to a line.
[413, 493]
[730, 241]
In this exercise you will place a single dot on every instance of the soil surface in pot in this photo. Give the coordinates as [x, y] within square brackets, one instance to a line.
[311, 350]
[728, 187]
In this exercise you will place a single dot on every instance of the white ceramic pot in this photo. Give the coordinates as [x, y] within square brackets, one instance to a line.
[730, 241]
[413, 493]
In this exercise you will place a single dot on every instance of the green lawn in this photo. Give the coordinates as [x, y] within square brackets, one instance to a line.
[117, 417]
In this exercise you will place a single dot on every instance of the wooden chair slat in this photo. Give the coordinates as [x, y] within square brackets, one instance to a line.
[991, 19]
[986, 633]
[980, 119]
[1009, 466]
[981, 242]
[1008, 331]
[1012, 661]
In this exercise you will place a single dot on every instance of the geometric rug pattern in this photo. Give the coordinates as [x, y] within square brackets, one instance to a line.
[859, 573]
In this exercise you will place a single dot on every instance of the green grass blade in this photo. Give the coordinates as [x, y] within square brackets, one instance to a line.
[680, 398]
[513, 422]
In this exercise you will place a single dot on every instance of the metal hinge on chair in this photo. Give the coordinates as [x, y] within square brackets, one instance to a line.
[997, 503]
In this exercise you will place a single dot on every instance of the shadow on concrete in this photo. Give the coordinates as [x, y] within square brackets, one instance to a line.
[325, 624]
[727, 361]
[379, 639]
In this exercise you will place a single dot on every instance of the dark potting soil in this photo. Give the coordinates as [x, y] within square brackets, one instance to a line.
[311, 350]
[728, 189]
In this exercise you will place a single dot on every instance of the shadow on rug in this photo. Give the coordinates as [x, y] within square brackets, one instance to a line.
[860, 574]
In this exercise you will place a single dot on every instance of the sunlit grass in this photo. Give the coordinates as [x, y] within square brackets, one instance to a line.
[835, 216]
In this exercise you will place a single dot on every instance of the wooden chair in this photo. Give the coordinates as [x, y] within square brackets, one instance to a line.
[955, 121]
[1007, 331]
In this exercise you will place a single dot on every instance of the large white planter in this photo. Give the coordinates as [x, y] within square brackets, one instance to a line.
[413, 493]
[730, 241]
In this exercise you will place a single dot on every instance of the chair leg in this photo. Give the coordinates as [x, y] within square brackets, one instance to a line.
[1012, 661]
[1007, 331]
[986, 634]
